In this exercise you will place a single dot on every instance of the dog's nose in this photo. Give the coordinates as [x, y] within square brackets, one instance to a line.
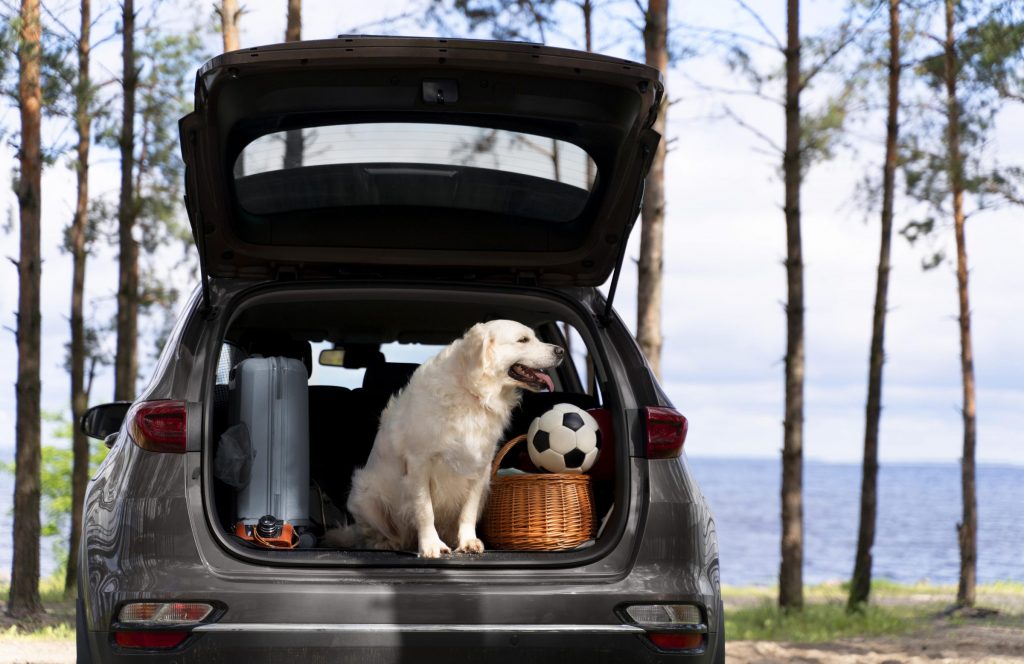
[559, 351]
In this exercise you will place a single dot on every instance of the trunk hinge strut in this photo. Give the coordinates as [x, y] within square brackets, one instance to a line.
[605, 318]
[649, 143]
[195, 217]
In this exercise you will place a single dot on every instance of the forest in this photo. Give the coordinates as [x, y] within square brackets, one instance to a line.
[910, 92]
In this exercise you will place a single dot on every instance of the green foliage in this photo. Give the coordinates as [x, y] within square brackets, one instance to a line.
[820, 622]
[164, 95]
[825, 68]
[751, 612]
[740, 61]
[55, 481]
[8, 47]
[992, 49]
[989, 62]
[64, 631]
[167, 62]
[516, 20]
[56, 73]
[823, 130]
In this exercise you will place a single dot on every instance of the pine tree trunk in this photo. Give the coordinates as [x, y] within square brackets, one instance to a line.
[588, 14]
[860, 587]
[651, 263]
[24, 593]
[967, 529]
[293, 138]
[126, 359]
[229, 14]
[79, 400]
[791, 584]
[587, 7]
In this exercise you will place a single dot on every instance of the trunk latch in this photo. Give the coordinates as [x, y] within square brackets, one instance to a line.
[441, 91]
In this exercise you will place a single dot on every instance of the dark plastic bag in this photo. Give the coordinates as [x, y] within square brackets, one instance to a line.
[233, 463]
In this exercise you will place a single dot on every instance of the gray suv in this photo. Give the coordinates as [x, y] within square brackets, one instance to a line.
[356, 204]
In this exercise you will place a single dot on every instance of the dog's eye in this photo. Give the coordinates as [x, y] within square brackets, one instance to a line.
[524, 340]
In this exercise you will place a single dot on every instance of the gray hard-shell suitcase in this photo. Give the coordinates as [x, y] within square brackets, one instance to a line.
[271, 396]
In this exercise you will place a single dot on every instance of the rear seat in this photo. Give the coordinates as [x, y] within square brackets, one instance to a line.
[343, 423]
[344, 426]
[380, 382]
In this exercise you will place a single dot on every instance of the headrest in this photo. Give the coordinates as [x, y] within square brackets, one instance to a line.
[278, 345]
[388, 377]
[360, 356]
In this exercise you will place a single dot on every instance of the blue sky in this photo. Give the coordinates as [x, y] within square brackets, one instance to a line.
[724, 285]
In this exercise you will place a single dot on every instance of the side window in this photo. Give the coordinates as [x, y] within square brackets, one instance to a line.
[352, 377]
[581, 362]
[230, 355]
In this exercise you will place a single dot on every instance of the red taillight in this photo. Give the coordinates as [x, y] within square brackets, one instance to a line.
[676, 640]
[158, 426]
[666, 432]
[149, 640]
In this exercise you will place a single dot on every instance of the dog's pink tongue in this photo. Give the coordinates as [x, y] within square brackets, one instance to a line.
[547, 380]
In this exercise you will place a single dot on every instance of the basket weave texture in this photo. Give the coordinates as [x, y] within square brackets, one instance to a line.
[537, 512]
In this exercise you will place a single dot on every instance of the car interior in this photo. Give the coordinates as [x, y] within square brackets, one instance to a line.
[357, 354]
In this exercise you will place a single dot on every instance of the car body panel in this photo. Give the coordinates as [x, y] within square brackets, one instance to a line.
[148, 536]
[149, 529]
[605, 105]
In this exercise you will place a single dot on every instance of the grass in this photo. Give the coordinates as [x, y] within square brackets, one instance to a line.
[879, 588]
[64, 631]
[57, 624]
[752, 613]
[820, 622]
[51, 590]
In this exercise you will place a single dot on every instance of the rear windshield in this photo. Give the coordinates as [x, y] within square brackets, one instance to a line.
[354, 167]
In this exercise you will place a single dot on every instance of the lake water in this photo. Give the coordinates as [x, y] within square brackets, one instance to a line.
[918, 505]
[915, 539]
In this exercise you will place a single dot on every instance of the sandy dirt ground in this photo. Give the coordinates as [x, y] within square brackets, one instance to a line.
[36, 651]
[946, 645]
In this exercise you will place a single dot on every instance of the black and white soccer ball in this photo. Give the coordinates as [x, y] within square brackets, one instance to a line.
[566, 439]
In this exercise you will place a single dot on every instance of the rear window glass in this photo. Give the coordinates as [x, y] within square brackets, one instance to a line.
[414, 165]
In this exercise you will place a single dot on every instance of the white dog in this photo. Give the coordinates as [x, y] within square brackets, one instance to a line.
[428, 474]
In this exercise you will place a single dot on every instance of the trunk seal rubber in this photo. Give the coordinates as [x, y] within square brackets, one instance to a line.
[555, 560]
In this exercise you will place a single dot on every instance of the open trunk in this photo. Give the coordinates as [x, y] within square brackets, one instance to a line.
[405, 161]
[358, 347]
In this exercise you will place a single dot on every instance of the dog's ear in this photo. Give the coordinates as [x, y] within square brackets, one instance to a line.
[480, 346]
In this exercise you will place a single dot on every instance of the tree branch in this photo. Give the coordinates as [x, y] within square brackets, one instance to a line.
[753, 130]
[760, 21]
[730, 34]
[68, 32]
[817, 69]
[732, 91]
[386, 21]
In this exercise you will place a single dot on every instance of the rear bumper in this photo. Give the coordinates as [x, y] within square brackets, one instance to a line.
[285, 614]
[255, 644]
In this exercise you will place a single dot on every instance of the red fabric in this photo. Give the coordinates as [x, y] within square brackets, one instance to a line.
[603, 469]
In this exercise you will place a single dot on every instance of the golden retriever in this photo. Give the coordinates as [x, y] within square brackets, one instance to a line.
[428, 474]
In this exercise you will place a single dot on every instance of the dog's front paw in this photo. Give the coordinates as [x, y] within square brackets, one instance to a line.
[471, 545]
[433, 548]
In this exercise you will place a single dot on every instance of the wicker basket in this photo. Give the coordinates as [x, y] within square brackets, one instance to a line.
[537, 512]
